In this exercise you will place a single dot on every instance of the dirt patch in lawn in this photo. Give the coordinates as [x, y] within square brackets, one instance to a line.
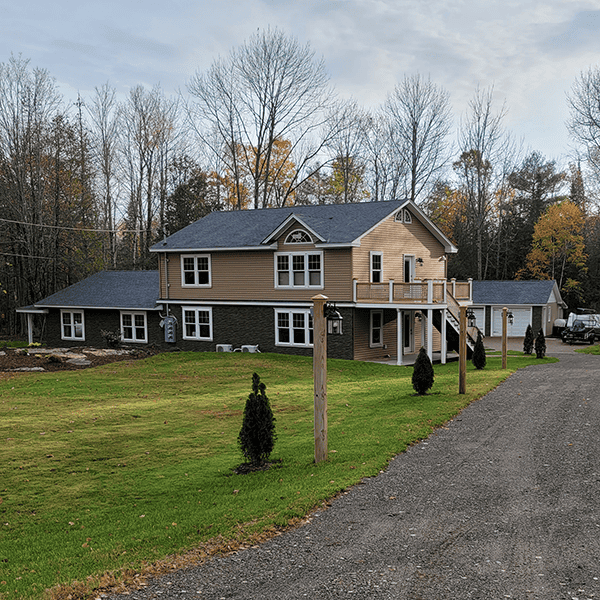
[32, 360]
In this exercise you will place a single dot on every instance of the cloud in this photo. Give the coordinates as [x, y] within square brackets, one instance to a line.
[576, 35]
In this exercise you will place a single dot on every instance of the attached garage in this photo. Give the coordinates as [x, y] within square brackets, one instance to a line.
[535, 303]
[521, 319]
[479, 312]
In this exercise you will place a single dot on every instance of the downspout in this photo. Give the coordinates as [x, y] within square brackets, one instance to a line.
[167, 280]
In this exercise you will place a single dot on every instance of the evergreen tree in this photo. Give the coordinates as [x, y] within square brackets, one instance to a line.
[540, 345]
[422, 377]
[479, 359]
[257, 436]
[528, 341]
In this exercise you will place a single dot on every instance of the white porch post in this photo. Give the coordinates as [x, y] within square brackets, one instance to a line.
[399, 337]
[430, 334]
[430, 291]
[30, 328]
[444, 341]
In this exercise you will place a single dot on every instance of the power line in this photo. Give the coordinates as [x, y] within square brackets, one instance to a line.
[87, 230]
[27, 256]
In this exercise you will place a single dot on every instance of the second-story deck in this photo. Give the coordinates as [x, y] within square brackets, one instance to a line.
[430, 291]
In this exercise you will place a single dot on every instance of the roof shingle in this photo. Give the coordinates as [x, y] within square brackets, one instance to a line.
[512, 292]
[135, 290]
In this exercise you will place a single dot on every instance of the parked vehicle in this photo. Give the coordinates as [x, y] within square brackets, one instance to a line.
[581, 329]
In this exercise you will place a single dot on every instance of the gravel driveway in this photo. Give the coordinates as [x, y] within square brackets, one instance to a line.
[502, 503]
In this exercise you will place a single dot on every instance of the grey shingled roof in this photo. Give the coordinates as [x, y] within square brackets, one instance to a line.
[334, 223]
[134, 290]
[512, 292]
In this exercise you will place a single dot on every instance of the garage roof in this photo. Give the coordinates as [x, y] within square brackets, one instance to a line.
[515, 292]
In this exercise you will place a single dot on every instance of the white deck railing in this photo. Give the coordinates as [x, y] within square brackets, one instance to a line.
[430, 291]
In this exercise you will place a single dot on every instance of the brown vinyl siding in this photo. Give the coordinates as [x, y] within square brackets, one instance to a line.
[396, 240]
[250, 276]
[362, 334]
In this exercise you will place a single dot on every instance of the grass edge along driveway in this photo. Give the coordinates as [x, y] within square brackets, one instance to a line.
[111, 473]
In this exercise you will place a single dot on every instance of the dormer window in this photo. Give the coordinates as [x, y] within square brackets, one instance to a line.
[298, 236]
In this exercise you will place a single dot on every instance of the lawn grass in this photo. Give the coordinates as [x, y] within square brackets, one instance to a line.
[593, 349]
[112, 468]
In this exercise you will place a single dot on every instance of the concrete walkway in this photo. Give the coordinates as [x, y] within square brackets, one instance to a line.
[504, 502]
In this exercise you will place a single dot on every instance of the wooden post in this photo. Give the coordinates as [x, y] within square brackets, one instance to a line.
[320, 376]
[504, 335]
[462, 352]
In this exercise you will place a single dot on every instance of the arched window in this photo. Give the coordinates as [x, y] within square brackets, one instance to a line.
[403, 216]
[298, 236]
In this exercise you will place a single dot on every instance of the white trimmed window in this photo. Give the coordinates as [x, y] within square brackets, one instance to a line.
[195, 270]
[299, 269]
[72, 325]
[197, 323]
[133, 327]
[293, 328]
[376, 267]
[376, 328]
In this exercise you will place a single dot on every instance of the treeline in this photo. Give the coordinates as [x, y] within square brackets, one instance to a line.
[92, 185]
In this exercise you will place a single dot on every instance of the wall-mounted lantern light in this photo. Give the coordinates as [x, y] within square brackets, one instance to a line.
[334, 319]
[510, 317]
[471, 319]
[420, 261]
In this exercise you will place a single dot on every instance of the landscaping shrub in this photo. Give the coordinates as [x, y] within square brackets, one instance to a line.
[111, 338]
[257, 436]
[479, 359]
[528, 341]
[540, 345]
[422, 377]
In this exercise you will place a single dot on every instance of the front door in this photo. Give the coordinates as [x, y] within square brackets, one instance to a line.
[408, 268]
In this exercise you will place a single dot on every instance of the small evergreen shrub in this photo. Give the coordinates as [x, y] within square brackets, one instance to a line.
[257, 436]
[528, 341]
[540, 345]
[422, 377]
[111, 338]
[479, 359]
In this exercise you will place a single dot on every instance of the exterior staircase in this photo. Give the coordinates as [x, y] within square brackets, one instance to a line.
[453, 326]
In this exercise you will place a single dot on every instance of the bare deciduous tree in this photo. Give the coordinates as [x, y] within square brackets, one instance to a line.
[487, 157]
[103, 112]
[584, 124]
[270, 89]
[419, 119]
[149, 125]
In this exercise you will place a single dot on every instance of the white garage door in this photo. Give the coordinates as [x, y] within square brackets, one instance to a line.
[522, 318]
[480, 318]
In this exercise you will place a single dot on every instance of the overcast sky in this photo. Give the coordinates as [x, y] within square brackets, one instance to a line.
[530, 51]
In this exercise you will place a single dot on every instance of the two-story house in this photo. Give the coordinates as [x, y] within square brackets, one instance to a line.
[246, 279]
